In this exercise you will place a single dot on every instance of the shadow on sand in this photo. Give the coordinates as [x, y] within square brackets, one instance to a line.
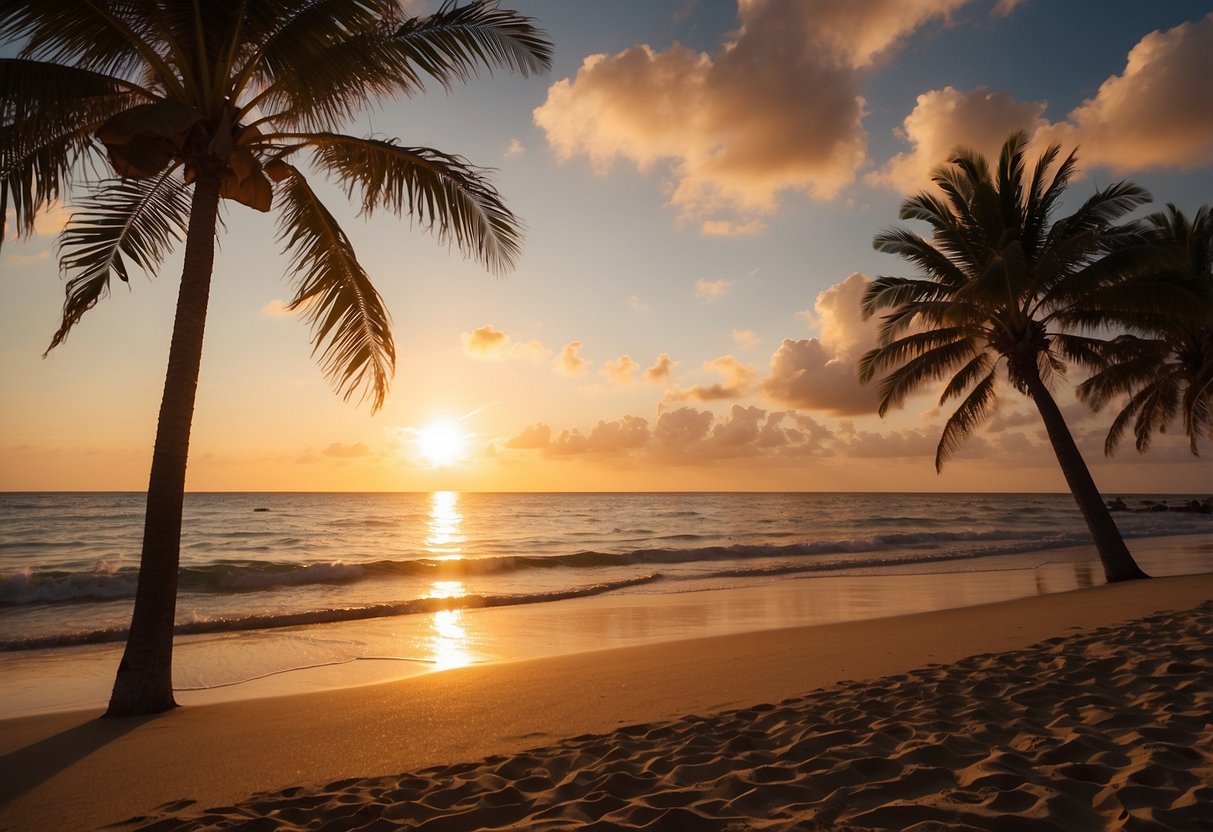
[27, 767]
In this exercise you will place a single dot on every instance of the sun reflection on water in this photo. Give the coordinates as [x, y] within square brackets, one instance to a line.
[449, 643]
[444, 538]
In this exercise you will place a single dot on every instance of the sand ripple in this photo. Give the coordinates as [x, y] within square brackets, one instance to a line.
[1107, 730]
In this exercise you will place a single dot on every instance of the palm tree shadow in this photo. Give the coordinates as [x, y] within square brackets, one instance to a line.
[25, 768]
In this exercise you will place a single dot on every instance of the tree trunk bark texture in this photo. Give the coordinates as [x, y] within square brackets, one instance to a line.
[1118, 563]
[144, 682]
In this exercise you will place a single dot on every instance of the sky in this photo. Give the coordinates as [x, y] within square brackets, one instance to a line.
[700, 182]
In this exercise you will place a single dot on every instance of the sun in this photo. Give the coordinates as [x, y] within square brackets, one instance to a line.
[441, 444]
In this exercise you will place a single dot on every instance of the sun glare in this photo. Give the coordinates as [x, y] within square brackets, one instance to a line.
[441, 444]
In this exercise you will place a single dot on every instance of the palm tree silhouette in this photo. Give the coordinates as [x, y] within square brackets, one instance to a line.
[192, 103]
[999, 285]
[1167, 370]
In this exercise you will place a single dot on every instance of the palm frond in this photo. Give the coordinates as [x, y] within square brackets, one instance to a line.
[885, 292]
[296, 44]
[138, 220]
[442, 192]
[351, 329]
[931, 260]
[47, 114]
[973, 411]
[904, 349]
[117, 39]
[455, 41]
[981, 365]
[1159, 404]
[930, 366]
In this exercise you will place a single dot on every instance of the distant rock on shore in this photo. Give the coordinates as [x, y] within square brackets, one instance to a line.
[1204, 506]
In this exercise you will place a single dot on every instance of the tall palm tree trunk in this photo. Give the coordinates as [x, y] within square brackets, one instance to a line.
[144, 683]
[1118, 563]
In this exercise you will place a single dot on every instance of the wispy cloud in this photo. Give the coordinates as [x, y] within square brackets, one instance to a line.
[711, 289]
[489, 344]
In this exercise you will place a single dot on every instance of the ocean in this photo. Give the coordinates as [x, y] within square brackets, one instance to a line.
[260, 563]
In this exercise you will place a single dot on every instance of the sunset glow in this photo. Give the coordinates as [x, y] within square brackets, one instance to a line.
[441, 444]
[700, 185]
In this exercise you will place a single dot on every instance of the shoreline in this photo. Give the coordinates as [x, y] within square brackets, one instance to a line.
[69, 770]
[242, 665]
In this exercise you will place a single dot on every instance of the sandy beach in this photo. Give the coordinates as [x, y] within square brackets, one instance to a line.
[1079, 710]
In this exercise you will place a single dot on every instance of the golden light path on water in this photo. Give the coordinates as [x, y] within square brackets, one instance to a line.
[449, 642]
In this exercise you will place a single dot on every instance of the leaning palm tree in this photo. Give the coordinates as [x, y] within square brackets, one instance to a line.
[189, 103]
[1166, 369]
[1000, 286]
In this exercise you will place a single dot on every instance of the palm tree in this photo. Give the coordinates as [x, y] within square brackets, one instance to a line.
[1167, 370]
[189, 103]
[999, 285]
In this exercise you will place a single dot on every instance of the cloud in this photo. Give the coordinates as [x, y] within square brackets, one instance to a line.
[276, 309]
[659, 373]
[907, 442]
[489, 344]
[819, 373]
[18, 260]
[533, 436]
[620, 371]
[569, 363]
[943, 119]
[613, 437]
[1004, 8]
[514, 149]
[340, 451]
[1158, 113]
[745, 338]
[728, 228]
[737, 378]
[711, 289]
[778, 108]
[637, 304]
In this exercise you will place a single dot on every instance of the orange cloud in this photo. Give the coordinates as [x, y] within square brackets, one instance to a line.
[1158, 113]
[341, 451]
[745, 338]
[489, 344]
[778, 108]
[737, 378]
[942, 119]
[620, 371]
[659, 373]
[711, 289]
[534, 436]
[569, 362]
[819, 373]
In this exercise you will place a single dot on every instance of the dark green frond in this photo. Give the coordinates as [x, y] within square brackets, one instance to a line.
[891, 292]
[351, 329]
[135, 220]
[456, 41]
[981, 365]
[973, 411]
[442, 192]
[117, 39]
[904, 349]
[927, 367]
[931, 260]
[1092, 353]
[297, 44]
[47, 114]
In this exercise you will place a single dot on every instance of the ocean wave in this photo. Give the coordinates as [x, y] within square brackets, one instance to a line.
[241, 576]
[104, 582]
[268, 621]
[232, 576]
